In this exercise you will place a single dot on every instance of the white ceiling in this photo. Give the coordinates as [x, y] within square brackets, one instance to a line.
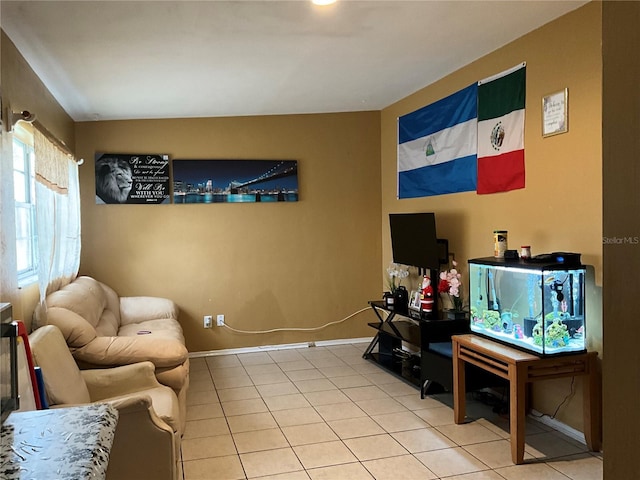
[105, 60]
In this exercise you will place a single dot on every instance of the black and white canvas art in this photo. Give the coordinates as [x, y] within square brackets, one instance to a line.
[235, 181]
[133, 179]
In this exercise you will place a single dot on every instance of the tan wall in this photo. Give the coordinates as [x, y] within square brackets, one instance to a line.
[23, 90]
[264, 266]
[560, 208]
[621, 177]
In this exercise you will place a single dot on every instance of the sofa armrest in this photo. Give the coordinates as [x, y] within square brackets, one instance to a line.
[133, 403]
[144, 445]
[113, 382]
[140, 309]
[140, 405]
[114, 351]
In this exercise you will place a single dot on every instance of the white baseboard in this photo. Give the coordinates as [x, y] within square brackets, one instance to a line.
[559, 426]
[266, 348]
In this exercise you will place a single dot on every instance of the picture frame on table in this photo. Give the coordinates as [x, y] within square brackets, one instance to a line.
[414, 300]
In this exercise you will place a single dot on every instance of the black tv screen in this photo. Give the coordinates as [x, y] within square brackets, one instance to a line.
[414, 241]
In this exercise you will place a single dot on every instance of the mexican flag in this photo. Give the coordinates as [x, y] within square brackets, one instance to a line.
[501, 100]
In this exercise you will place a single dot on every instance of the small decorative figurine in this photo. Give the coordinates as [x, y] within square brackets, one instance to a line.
[507, 322]
[557, 334]
[491, 320]
[517, 332]
[536, 333]
[426, 296]
[475, 316]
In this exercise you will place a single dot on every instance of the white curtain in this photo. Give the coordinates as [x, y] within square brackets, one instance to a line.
[9, 291]
[57, 215]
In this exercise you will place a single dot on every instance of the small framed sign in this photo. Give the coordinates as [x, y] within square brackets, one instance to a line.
[414, 300]
[555, 113]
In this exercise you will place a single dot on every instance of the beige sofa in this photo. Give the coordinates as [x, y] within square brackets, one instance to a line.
[146, 444]
[103, 330]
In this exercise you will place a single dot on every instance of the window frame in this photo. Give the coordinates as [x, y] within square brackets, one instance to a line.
[23, 139]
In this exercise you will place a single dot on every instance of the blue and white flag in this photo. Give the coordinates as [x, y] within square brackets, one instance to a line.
[437, 147]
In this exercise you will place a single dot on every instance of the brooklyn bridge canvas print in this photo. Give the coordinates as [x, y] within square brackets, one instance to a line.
[235, 181]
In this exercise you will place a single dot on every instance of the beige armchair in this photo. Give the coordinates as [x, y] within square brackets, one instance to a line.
[147, 439]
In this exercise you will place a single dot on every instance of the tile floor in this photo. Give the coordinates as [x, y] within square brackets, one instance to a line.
[325, 413]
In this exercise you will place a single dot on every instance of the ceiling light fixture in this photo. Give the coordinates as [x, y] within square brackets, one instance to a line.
[323, 2]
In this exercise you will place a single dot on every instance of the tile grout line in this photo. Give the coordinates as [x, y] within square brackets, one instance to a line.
[369, 416]
[324, 421]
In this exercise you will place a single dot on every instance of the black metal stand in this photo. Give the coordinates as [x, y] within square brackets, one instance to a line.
[394, 328]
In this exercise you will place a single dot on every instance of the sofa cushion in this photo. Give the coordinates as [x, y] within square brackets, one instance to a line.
[159, 328]
[75, 329]
[108, 324]
[140, 309]
[113, 301]
[443, 348]
[123, 350]
[83, 296]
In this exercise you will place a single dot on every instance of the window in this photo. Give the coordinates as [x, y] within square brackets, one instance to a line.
[25, 202]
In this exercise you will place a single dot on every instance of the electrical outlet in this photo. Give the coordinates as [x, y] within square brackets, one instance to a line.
[208, 321]
[220, 320]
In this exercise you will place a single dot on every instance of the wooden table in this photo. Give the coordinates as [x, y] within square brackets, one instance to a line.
[521, 369]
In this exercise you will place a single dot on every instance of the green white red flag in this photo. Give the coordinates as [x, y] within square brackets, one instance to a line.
[501, 102]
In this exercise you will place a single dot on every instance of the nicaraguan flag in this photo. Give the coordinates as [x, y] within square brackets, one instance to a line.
[437, 147]
[501, 102]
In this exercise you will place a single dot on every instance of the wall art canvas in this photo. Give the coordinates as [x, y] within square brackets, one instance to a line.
[235, 181]
[132, 179]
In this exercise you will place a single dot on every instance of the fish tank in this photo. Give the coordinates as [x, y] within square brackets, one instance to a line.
[536, 305]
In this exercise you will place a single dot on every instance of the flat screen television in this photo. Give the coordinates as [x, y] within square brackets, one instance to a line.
[414, 241]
